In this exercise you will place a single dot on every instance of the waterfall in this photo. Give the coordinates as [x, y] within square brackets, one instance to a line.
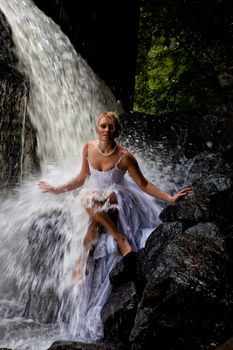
[65, 94]
[23, 137]
[38, 296]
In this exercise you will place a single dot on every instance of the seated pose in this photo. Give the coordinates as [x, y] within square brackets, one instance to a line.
[114, 194]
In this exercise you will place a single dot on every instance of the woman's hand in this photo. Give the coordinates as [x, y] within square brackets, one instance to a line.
[180, 195]
[46, 187]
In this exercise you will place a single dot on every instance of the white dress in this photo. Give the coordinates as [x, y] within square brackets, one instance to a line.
[138, 216]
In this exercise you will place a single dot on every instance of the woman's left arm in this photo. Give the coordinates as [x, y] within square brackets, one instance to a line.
[74, 183]
[146, 186]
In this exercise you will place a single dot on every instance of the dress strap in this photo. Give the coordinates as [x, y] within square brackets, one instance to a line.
[118, 161]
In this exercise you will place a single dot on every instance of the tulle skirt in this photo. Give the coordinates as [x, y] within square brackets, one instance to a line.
[138, 216]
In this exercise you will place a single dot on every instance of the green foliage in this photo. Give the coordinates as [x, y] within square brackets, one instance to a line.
[180, 47]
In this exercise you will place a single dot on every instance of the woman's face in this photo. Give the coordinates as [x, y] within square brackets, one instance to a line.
[106, 129]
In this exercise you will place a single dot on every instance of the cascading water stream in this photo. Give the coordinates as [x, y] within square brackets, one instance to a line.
[23, 137]
[65, 94]
[36, 274]
[65, 98]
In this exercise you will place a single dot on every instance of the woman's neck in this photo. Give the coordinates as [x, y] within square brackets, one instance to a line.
[106, 148]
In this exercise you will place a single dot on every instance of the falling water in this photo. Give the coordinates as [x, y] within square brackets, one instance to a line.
[23, 136]
[65, 95]
[39, 244]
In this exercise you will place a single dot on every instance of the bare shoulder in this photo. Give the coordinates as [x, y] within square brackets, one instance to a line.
[92, 142]
[128, 158]
[89, 145]
[87, 148]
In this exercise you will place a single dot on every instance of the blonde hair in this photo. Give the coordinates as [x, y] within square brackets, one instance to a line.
[114, 118]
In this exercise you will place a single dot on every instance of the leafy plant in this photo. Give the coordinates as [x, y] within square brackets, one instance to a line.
[180, 47]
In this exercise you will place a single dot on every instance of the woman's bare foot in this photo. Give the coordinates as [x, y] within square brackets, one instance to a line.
[123, 245]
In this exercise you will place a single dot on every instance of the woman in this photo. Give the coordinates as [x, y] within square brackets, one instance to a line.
[121, 214]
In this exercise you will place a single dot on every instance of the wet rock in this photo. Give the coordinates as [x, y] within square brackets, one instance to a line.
[71, 345]
[184, 270]
[190, 211]
[118, 316]
[209, 168]
[164, 234]
[188, 258]
[6, 42]
[47, 241]
[206, 229]
[17, 157]
[194, 208]
[173, 316]
[125, 270]
[48, 245]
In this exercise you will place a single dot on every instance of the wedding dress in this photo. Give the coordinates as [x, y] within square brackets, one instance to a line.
[138, 216]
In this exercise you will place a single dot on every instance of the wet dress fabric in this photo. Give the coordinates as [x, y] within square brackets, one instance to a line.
[138, 216]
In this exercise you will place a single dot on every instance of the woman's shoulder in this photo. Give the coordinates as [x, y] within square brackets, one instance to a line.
[90, 144]
[127, 156]
[88, 147]
[126, 152]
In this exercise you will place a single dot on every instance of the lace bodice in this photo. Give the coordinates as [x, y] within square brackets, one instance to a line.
[104, 179]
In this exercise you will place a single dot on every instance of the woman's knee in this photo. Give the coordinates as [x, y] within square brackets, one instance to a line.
[95, 210]
[93, 214]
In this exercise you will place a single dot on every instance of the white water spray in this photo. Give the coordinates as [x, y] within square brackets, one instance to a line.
[65, 98]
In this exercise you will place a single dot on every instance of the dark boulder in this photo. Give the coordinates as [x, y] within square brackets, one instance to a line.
[48, 245]
[71, 345]
[181, 283]
[122, 304]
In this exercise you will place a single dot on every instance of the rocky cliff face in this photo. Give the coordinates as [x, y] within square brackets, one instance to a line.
[17, 138]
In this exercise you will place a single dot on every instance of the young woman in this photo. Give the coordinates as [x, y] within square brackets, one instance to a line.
[114, 194]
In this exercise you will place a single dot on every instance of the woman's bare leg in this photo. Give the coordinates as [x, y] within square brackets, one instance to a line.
[87, 243]
[104, 219]
[90, 235]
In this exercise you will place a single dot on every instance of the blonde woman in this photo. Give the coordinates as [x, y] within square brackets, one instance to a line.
[119, 202]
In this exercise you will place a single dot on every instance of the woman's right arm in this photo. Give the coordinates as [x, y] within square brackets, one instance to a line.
[146, 186]
[76, 182]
